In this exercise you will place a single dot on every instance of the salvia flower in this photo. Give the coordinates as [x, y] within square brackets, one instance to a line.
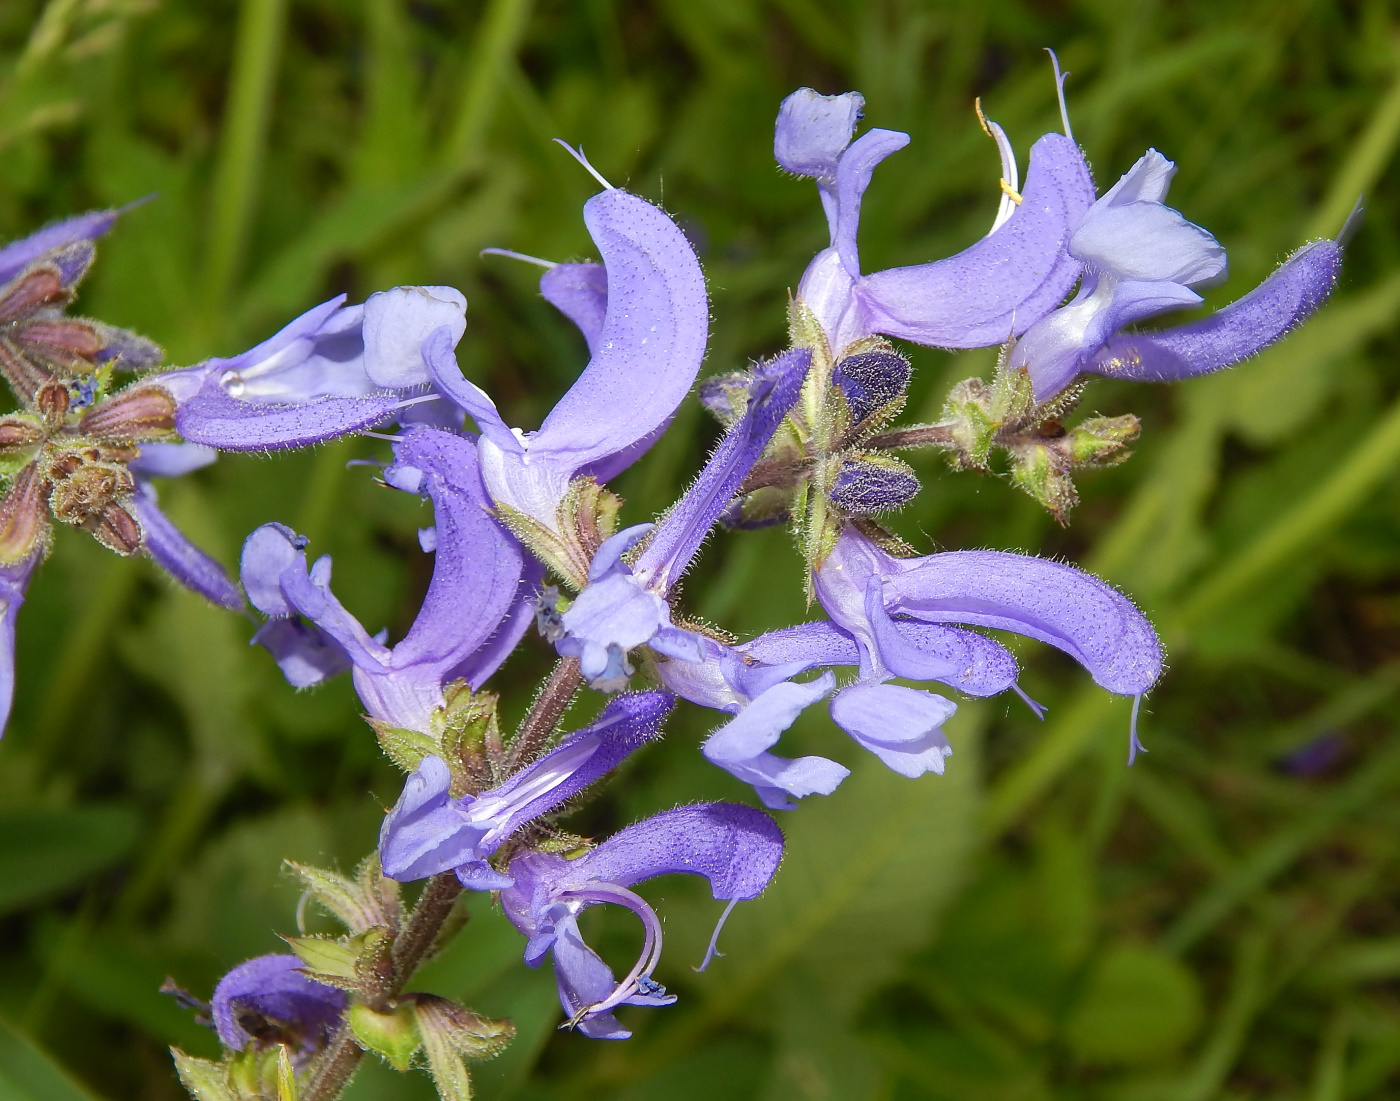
[736, 848]
[899, 610]
[268, 1001]
[979, 297]
[477, 606]
[429, 832]
[647, 334]
[336, 369]
[1142, 258]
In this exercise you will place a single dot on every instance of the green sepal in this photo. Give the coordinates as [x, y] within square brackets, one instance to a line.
[394, 1035]
[1037, 470]
[255, 1073]
[468, 734]
[1101, 441]
[586, 516]
[287, 1089]
[367, 901]
[451, 1035]
[406, 748]
[327, 959]
[204, 1079]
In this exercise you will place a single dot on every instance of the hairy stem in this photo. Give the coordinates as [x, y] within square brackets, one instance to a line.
[553, 700]
[920, 435]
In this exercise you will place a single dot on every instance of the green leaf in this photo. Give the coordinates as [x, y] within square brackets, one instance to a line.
[28, 1073]
[46, 851]
[1140, 1005]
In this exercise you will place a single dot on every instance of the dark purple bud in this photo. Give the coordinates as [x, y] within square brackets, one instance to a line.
[871, 380]
[873, 485]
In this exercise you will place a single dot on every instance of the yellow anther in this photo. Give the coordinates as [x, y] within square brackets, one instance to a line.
[981, 118]
[1010, 192]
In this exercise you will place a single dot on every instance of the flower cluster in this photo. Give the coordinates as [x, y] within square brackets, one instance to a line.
[525, 533]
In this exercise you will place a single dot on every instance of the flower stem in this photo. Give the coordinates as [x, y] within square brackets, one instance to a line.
[553, 700]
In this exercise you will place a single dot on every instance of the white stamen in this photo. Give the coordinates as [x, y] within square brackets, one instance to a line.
[382, 436]
[713, 950]
[518, 256]
[1038, 708]
[1060, 79]
[577, 154]
[1010, 174]
[1134, 746]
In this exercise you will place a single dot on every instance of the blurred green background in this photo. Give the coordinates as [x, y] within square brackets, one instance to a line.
[1222, 921]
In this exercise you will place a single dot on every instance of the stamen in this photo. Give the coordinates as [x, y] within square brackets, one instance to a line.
[301, 911]
[1353, 222]
[651, 947]
[382, 436]
[518, 256]
[577, 154]
[418, 400]
[1010, 173]
[1060, 79]
[1134, 746]
[713, 949]
[1038, 709]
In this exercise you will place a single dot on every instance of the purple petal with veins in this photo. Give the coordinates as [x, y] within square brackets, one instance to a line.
[180, 558]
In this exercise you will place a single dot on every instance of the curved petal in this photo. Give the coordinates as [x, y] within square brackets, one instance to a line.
[652, 340]
[583, 980]
[853, 172]
[171, 460]
[580, 293]
[1250, 324]
[1067, 608]
[305, 654]
[180, 558]
[1148, 242]
[736, 848]
[820, 643]
[1005, 282]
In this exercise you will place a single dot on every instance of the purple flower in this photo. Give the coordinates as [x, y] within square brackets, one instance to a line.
[477, 606]
[269, 1001]
[864, 589]
[1142, 258]
[335, 369]
[983, 295]
[429, 832]
[14, 582]
[623, 607]
[736, 848]
[646, 351]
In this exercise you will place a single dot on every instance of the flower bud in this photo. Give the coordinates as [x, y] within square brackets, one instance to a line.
[873, 483]
[18, 433]
[23, 517]
[871, 381]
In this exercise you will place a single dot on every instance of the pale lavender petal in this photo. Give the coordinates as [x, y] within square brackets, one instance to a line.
[180, 558]
[584, 979]
[14, 581]
[652, 340]
[813, 131]
[171, 460]
[1007, 281]
[396, 322]
[1264, 315]
[679, 535]
[18, 255]
[427, 832]
[273, 987]
[1148, 242]
[740, 747]
[852, 178]
[305, 654]
[441, 359]
[971, 663]
[215, 418]
[479, 665]
[478, 565]
[901, 726]
[580, 293]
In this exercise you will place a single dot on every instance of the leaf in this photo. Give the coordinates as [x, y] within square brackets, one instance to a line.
[1140, 1005]
[28, 1073]
[45, 851]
